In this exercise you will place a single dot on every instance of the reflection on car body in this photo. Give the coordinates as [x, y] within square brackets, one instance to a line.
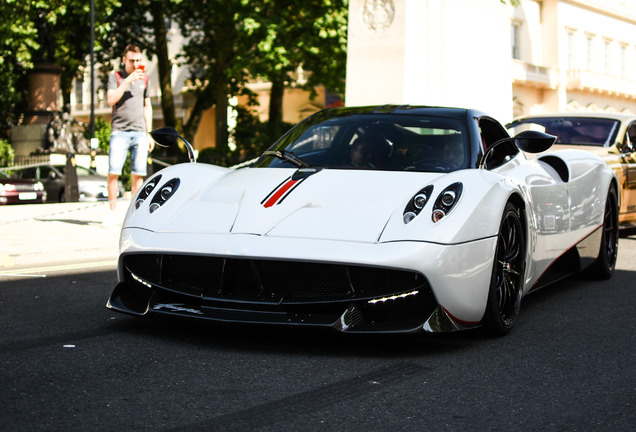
[612, 136]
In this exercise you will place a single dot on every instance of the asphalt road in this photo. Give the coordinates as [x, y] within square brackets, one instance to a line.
[69, 364]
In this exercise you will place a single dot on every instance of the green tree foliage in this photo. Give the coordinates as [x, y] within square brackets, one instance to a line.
[311, 34]
[221, 40]
[43, 31]
[230, 41]
[227, 43]
[17, 41]
[6, 153]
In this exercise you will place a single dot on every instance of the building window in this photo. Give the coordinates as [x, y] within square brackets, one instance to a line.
[589, 51]
[607, 55]
[571, 50]
[514, 40]
[79, 91]
[622, 58]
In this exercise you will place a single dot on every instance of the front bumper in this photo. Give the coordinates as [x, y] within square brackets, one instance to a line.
[392, 287]
[348, 298]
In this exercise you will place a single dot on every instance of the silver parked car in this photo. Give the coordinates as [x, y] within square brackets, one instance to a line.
[91, 185]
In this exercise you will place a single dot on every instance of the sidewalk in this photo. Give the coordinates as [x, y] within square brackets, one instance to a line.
[38, 235]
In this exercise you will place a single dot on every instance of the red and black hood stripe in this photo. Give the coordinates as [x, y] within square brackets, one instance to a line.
[281, 191]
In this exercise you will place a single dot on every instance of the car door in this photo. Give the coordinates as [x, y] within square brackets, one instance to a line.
[53, 182]
[629, 161]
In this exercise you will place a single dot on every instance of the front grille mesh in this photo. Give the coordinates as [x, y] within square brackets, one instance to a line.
[267, 281]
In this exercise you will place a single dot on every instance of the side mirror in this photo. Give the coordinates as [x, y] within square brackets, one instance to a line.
[531, 141]
[168, 136]
[627, 146]
[528, 141]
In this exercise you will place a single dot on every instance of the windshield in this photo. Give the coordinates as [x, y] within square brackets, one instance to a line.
[572, 130]
[373, 141]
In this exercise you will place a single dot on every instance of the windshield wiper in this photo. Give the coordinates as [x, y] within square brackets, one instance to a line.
[288, 156]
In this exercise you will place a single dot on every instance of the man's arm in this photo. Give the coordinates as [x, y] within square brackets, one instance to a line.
[114, 95]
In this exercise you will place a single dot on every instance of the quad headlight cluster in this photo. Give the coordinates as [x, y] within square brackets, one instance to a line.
[160, 196]
[441, 207]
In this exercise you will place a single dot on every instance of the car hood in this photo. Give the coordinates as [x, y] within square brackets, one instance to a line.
[330, 204]
[598, 150]
[17, 181]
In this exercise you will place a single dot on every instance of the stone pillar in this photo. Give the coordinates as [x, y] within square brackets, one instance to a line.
[430, 52]
[44, 102]
[45, 95]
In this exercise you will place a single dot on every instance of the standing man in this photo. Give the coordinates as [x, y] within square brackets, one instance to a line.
[131, 121]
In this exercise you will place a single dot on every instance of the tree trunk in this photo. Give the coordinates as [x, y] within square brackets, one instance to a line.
[221, 105]
[163, 61]
[276, 101]
[191, 125]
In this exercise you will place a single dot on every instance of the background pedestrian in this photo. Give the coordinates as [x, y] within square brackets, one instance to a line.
[127, 93]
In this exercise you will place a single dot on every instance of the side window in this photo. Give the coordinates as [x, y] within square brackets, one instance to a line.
[491, 132]
[27, 173]
[45, 172]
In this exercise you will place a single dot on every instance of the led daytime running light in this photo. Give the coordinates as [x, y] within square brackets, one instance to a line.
[140, 280]
[393, 297]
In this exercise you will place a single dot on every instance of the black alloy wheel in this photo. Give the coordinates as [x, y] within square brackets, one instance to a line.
[504, 296]
[603, 267]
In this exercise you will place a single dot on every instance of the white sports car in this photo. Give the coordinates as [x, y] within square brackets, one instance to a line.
[369, 219]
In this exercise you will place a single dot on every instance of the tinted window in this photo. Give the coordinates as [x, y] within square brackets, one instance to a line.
[377, 141]
[572, 130]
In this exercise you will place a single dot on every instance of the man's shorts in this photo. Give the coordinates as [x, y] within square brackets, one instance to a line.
[120, 143]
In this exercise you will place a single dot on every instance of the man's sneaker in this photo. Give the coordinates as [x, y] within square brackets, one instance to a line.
[110, 220]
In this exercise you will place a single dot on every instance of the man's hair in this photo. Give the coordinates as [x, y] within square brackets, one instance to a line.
[132, 48]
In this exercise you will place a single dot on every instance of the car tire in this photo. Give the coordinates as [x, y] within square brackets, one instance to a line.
[604, 265]
[506, 284]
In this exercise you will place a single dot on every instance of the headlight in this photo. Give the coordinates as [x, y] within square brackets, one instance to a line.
[420, 201]
[448, 198]
[416, 204]
[146, 190]
[164, 194]
[38, 186]
[408, 217]
[166, 191]
[438, 214]
[446, 201]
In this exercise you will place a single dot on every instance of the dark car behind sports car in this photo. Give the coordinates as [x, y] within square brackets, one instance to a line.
[91, 185]
[20, 191]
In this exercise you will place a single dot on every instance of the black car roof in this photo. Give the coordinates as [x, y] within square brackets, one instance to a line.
[458, 113]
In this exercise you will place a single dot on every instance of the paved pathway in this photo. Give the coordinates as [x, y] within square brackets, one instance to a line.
[33, 235]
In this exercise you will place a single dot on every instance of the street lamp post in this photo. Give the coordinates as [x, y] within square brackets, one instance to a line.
[94, 141]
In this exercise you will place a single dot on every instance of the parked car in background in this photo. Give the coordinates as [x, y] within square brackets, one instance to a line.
[20, 191]
[610, 135]
[91, 185]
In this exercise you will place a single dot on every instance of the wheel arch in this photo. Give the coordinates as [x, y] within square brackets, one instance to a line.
[517, 200]
[619, 190]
